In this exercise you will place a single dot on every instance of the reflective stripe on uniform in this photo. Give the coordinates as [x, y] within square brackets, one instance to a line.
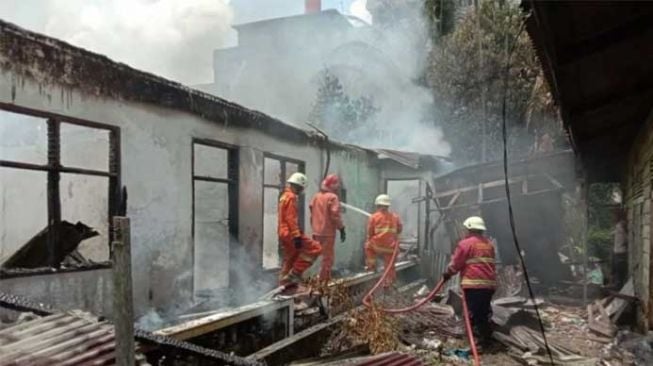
[386, 229]
[480, 260]
[382, 249]
[307, 257]
[483, 246]
[473, 282]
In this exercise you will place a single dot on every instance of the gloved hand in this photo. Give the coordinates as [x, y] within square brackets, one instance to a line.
[343, 235]
[298, 242]
[446, 276]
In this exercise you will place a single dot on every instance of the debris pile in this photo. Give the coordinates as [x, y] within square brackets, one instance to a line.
[525, 344]
[419, 332]
[571, 333]
[365, 326]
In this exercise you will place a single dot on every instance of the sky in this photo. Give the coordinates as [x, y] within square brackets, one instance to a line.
[172, 38]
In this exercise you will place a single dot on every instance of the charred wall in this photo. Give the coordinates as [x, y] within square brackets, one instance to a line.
[159, 122]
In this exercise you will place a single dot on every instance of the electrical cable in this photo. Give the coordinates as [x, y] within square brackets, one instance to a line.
[511, 215]
[438, 287]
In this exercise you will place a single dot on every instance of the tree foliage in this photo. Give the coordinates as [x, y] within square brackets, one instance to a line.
[441, 15]
[338, 113]
[466, 72]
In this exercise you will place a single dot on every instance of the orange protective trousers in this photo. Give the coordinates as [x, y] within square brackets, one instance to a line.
[374, 250]
[297, 261]
[328, 254]
[383, 229]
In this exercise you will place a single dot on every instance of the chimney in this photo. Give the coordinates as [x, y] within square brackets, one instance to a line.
[312, 6]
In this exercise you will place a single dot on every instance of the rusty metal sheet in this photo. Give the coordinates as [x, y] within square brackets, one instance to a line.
[61, 339]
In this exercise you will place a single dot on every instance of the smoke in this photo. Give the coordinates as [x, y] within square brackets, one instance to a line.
[171, 38]
[359, 9]
[239, 271]
[278, 68]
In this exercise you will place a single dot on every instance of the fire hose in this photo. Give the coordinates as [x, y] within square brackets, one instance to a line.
[367, 301]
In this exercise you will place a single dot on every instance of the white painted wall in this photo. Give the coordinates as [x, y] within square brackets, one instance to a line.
[156, 169]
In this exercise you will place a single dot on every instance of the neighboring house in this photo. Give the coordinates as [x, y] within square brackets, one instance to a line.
[597, 58]
[277, 64]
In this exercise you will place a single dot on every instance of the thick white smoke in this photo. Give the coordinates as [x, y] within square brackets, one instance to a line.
[359, 9]
[171, 38]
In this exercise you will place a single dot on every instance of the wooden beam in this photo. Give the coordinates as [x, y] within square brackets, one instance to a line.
[535, 193]
[453, 199]
[491, 184]
[223, 319]
[575, 51]
[554, 181]
[123, 303]
[480, 193]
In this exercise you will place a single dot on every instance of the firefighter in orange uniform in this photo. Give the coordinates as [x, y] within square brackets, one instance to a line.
[474, 258]
[325, 220]
[299, 252]
[383, 229]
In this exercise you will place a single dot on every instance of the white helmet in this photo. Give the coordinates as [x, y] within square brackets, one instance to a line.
[298, 179]
[382, 200]
[474, 223]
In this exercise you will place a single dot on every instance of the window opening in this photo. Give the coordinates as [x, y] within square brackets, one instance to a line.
[59, 188]
[215, 226]
[275, 172]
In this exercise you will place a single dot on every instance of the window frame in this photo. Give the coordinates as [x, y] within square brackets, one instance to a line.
[420, 214]
[54, 169]
[233, 166]
[301, 167]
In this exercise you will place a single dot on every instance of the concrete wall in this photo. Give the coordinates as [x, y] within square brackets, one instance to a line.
[637, 188]
[156, 169]
[88, 290]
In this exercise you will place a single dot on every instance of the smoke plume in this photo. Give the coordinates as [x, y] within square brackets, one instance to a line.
[171, 38]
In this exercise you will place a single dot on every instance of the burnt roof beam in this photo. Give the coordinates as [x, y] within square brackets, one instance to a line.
[644, 86]
[572, 52]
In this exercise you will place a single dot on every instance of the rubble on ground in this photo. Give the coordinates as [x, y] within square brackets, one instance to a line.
[435, 334]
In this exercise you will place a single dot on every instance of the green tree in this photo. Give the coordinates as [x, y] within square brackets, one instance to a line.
[466, 74]
[338, 113]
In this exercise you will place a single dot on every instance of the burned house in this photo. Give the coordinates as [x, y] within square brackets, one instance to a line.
[84, 138]
[597, 58]
[538, 188]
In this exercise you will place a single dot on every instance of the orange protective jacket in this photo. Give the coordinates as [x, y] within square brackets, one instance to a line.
[383, 229]
[474, 259]
[288, 227]
[325, 214]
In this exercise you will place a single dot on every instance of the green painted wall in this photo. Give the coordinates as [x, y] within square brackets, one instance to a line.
[361, 178]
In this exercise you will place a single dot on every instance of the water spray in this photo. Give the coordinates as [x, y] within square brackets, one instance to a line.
[354, 208]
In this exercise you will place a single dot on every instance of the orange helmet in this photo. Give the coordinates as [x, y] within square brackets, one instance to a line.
[331, 183]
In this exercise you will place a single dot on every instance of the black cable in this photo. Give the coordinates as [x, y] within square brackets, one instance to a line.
[328, 156]
[511, 215]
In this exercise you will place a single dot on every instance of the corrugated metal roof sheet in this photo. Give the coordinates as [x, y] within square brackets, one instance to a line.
[64, 339]
[402, 157]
